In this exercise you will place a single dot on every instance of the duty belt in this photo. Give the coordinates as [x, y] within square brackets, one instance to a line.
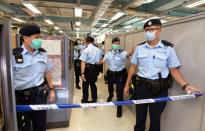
[30, 91]
[145, 80]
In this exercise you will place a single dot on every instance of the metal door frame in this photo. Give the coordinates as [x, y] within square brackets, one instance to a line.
[8, 94]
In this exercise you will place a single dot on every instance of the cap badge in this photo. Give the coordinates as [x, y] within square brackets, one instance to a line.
[150, 23]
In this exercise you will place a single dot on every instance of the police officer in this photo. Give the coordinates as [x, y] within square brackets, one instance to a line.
[154, 60]
[77, 63]
[82, 45]
[32, 78]
[117, 73]
[89, 69]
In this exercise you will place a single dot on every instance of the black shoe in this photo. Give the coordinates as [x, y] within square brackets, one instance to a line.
[119, 112]
[84, 101]
[109, 99]
[93, 101]
[78, 87]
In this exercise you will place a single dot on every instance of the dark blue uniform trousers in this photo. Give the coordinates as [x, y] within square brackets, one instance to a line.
[155, 109]
[38, 118]
[91, 77]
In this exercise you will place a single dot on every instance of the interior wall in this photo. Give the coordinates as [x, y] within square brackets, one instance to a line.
[13, 38]
[188, 36]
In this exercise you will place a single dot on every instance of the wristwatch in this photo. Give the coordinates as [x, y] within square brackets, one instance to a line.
[184, 86]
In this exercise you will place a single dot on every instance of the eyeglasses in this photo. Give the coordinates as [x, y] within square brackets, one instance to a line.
[151, 29]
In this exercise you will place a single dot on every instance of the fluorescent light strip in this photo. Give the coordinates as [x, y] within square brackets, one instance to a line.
[77, 23]
[156, 17]
[61, 31]
[49, 21]
[129, 26]
[78, 12]
[195, 4]
[77, 35]
[104, 25]
[19, 20]
[56, 28]
[118, 15]
[32, 8]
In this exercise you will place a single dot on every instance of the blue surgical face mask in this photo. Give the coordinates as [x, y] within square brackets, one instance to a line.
[150, 35]
[36, 43]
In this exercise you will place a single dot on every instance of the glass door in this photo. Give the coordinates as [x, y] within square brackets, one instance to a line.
[7, 104]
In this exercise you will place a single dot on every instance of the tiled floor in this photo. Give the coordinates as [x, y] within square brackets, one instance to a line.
[100, 118]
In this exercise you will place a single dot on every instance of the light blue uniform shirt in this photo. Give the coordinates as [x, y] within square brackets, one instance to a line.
[76, 52]
[151, 61]
[91, 54]
[82, 47]
[115, 60]
[30, 73]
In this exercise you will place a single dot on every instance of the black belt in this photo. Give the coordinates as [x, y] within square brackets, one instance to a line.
[145, 80]
[115, 72]
[30, 91]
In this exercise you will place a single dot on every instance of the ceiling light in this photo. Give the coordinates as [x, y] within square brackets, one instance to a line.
[56, 28]
[32, 8]
[118, 15]
[104, 25]
[195, 3]
[19, 20]
[61, 31]
[148, 1]
[163, 21]
[115, 31]
[77, 28]
[129, 26]
[77, 35]
[77, 23]
[78, 12]
[45, 30]
[156, 17]
[49, 21]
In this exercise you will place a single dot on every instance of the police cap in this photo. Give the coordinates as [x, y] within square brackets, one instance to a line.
[29, 29]
[116, 39]
[152, 22]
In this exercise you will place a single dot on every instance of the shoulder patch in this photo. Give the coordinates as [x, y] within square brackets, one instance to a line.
[17, 50]
[166, 43]
[42, 50]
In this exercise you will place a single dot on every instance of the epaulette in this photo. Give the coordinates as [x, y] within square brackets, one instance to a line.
[166, 43]
[17, 50]
[142, 43]
[42, 50]
[120, 50]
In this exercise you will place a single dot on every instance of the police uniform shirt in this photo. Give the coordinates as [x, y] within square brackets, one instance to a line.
[152, 61]
[91, 54]
[76, 52]
[82, 47]
[30, 73]
[115, 60]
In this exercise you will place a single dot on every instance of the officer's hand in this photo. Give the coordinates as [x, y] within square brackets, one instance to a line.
[126, 90]
[51, 96]
[191, 89]
[83, 77]
[131, 51]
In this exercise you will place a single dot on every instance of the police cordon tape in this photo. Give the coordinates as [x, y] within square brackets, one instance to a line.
[23, 108]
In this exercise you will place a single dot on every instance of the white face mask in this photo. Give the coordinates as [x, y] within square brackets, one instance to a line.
[150, 35]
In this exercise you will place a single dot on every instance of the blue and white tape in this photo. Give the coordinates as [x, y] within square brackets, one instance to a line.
[22, 108]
